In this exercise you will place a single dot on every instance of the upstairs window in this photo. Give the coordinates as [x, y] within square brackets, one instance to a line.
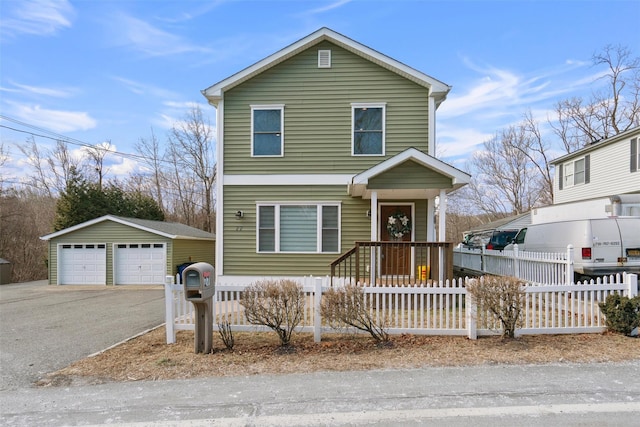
[635, 154]
[575, 172]
[368, 125]
[267, 135]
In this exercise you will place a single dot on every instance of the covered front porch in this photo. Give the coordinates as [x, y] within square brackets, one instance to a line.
[405, 246]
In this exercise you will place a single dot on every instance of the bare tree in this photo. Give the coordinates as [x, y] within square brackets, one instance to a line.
[192, 149]
[149, 151]
[533, 146]
[50, 168]
[504, 181]
[609, 111]
[97, 154]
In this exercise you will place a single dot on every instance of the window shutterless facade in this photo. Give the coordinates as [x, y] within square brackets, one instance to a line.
[298, 227]
[368, 129]
[267, 130]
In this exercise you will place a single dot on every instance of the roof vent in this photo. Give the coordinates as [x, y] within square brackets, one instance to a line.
[324, 59]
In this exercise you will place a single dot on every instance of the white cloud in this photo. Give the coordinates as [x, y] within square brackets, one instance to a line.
[499, 89]
[122, 167]
[330, 6]
[145, 89]
[456, 142]
[54, 120]
[39, 90]
[36, 17]
[144, 37]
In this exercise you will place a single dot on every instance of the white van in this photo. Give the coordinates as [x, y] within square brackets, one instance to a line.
[601, 246]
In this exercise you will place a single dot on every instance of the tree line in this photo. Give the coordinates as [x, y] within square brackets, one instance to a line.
[176, 180]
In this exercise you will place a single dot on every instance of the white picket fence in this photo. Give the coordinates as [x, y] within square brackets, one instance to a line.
[538, 267]
[435, 309]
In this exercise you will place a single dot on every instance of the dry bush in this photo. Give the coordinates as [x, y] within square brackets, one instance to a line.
[347, 306]
[226, 334]
[278, 305]
[502, 297]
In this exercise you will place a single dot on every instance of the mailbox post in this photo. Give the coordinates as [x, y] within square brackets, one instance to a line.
[198, 281]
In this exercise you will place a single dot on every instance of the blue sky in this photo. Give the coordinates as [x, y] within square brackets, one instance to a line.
[99, 71]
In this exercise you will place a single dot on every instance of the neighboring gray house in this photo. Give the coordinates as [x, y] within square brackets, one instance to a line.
[113, 250]
[601, 169]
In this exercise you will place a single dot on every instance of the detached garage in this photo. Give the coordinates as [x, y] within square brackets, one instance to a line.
[113, 250]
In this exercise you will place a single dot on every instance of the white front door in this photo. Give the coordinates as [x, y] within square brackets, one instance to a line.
[82, 264]
[139, 263]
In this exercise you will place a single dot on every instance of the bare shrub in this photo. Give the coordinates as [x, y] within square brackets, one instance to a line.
[278, 305]
[347, 306]
[226, 334]
[502, 297]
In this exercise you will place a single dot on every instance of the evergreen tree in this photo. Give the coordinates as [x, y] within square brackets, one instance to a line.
[83, 201]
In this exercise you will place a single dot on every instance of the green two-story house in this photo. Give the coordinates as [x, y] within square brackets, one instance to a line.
[321, 145]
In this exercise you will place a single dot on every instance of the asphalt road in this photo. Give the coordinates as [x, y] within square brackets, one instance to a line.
[44, 328]
[549, 395]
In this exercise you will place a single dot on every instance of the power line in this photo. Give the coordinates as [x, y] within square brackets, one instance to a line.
[63, 138]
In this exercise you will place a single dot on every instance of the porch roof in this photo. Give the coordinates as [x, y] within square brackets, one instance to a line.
[410, 174]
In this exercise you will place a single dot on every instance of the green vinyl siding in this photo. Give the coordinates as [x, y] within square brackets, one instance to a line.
[192, 251]
[409, 175]
[318, 114]
[240, 254]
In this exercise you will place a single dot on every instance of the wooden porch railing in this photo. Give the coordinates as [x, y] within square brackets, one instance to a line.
[394, 263]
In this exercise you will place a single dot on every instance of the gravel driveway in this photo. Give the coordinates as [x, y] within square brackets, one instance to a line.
[44, 328]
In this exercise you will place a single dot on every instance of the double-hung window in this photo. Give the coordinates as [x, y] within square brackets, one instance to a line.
[267, 130]
[299, 228]
[575, 172]
[368, 134]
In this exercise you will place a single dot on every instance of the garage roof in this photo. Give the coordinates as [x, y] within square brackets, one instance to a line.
[171, 230]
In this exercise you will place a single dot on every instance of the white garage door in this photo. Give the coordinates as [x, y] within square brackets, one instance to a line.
[140, 264]
[84, 264]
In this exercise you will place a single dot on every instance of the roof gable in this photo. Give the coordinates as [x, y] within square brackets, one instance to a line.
[359, 185]
[169, 230]
[437, 88]
[417, 156]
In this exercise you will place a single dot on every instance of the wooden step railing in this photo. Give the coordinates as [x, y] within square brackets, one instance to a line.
[394, 263]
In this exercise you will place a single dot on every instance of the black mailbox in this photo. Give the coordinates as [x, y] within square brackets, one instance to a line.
[199, 282]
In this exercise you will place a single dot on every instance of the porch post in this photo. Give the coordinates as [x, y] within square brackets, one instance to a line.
[431, 228]
[442, 226]
[374, 237]
[374, 216]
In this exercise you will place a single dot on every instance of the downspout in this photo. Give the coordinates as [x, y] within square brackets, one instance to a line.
[432, 126]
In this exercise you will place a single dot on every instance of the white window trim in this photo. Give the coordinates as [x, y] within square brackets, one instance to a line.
[277, 206]
[382, 105]
[269, 107]
[572, 165]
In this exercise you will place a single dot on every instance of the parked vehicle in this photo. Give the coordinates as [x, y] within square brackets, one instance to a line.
[477, 240]
[500, 239]
[490, 239]
[601, 246]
